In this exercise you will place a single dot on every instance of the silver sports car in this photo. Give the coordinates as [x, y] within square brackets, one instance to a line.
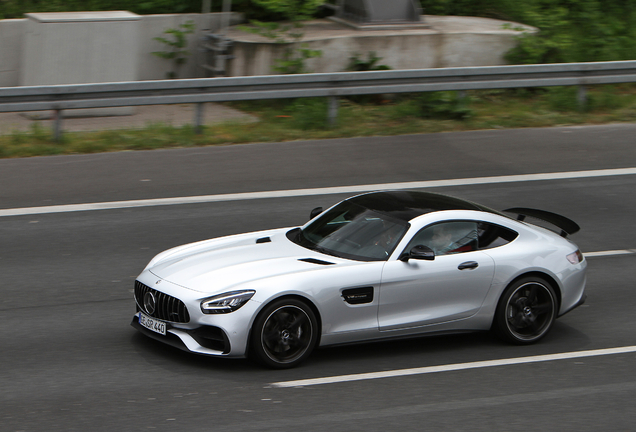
[377, 265]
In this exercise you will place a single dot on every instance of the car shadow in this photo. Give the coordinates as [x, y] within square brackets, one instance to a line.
[171, 358]
[446, 349]
[410, 352]
[406, 348]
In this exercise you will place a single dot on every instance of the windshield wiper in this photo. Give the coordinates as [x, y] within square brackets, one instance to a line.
[326, 251]
[301, 240]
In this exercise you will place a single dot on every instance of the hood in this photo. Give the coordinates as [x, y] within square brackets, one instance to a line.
[218, 265]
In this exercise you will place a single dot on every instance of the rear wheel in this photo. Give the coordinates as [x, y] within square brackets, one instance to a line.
[284, 334]
[526, 311]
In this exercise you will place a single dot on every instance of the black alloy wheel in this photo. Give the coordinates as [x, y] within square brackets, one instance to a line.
[526, 311]
[284, 334]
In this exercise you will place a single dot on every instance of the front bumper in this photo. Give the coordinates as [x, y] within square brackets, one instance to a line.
[221, 335]
[206, 340]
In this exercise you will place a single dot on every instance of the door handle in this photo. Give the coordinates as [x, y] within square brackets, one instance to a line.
[468, 265]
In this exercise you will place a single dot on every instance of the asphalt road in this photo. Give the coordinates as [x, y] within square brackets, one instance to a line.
[70, 360]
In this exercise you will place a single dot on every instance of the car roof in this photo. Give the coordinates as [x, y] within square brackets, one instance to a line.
[407, 205]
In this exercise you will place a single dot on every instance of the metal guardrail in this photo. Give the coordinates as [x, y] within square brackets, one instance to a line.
[333, 85]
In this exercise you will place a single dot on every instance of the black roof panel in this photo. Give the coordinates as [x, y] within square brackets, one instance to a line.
[406, 205]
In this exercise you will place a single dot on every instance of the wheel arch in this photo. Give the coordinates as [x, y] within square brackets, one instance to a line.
[551, 280]
[301, 298]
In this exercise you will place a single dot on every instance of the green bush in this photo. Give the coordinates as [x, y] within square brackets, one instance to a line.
[290, 9]
[356, 64]
[570, 30]
[175, 42]
[581, 31]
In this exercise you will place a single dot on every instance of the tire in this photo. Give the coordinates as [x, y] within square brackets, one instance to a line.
[284, 334]
[526, 311]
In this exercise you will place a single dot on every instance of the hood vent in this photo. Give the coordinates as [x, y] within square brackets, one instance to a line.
[263, 240]
[316, 261]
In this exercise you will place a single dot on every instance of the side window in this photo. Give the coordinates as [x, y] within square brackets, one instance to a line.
[447, 237]
[492, 236]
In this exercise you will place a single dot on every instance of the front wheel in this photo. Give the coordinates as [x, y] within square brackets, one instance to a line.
[284, 334]
[526, 311]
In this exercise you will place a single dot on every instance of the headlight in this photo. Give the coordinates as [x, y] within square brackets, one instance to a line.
[575, 257]
[227, 302]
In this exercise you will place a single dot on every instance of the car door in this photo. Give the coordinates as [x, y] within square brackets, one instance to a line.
[453, 286]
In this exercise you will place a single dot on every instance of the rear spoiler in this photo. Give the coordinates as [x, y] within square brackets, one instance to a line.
[566, 225]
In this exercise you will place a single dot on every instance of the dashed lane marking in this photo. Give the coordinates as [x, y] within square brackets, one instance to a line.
[316, 191]
[609, 253]
[453, 367]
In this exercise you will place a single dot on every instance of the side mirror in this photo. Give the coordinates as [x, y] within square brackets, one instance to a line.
[419, 252]
[315, 212]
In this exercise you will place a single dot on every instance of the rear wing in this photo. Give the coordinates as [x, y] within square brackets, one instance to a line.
[567, 226]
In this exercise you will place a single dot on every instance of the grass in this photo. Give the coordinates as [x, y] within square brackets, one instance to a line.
[303, 119]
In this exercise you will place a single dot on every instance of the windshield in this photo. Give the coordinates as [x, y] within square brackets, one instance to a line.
[354, 232]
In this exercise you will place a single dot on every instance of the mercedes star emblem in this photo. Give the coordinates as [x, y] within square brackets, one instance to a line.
[149, 302]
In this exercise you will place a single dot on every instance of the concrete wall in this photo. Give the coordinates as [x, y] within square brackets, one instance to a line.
[13, 35]
[152, 67]
[12, 32]
[449, 42]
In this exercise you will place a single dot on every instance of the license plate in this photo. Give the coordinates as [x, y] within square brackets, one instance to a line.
[152, 324]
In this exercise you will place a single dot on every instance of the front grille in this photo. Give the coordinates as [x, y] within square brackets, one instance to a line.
[167, 308]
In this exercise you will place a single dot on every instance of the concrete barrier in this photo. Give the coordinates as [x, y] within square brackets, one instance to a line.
[13, 34]
[448, 42]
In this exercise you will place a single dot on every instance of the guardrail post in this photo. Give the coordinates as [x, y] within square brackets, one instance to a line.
[581, 97]
[57, 124]
[198, 118]
[332, 113]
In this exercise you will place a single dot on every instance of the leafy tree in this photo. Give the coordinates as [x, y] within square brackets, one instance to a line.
[288, 32]
[552, 44]
[293, 10]
[577, 31]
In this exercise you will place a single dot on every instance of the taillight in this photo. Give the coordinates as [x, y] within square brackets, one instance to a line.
[575, 257]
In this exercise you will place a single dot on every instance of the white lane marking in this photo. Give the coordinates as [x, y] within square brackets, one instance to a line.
[453, 367]
[609, 253]
[315, 191]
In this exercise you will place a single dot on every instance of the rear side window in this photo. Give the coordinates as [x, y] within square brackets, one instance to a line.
[491, 236]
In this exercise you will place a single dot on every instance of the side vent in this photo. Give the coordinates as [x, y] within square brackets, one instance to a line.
[316, 261]
[356, 296]
[263, 240]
